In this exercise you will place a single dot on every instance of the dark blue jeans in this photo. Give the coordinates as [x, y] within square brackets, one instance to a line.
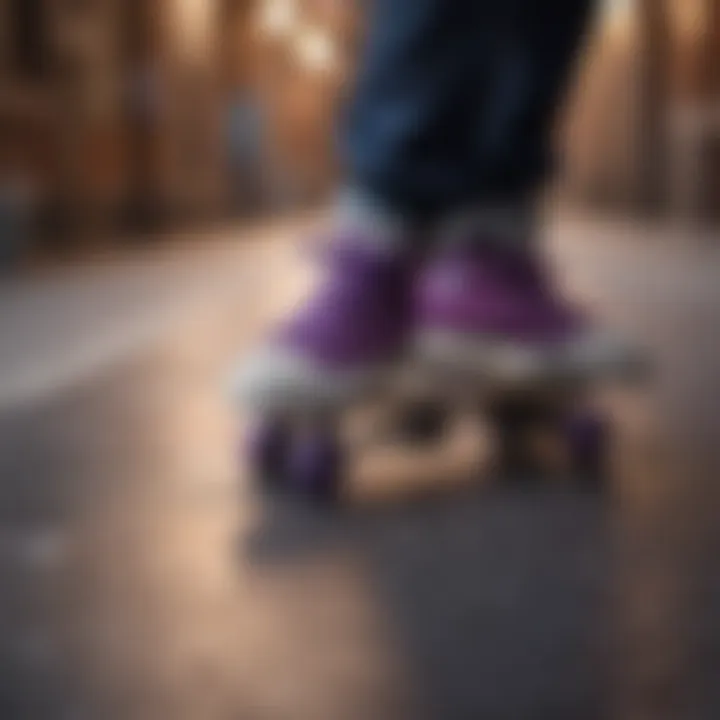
[455, 100]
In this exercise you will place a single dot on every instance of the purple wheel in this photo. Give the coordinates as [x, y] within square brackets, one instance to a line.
[316, 467]
[588, 438]
[267, 446]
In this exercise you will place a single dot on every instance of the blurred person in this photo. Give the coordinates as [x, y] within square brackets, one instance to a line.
[17, 203]
[447, 145]
[144, 105]
[245, 143]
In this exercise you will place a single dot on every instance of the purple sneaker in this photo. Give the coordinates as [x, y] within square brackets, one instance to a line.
[343, 341]
[492, 313]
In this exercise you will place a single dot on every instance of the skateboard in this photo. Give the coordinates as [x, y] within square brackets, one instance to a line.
[536, 430]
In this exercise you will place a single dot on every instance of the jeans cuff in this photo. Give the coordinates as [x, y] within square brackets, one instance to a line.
[383, 227]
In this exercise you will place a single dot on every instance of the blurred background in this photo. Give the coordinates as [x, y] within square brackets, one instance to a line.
[160, 162]
[122, 117]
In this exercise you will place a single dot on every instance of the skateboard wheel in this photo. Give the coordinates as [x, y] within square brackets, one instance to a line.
[588, 441]
[315, 467]
[267, 446]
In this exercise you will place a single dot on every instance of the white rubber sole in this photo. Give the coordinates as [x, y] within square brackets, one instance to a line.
[496, 362]
[277, 382]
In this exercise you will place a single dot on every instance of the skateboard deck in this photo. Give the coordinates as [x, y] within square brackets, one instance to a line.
[536, 429]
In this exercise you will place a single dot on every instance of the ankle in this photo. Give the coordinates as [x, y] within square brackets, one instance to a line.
[376, 224]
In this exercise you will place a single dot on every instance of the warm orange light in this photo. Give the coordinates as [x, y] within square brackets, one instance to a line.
[194, 25]
[278, 17]
[316, 50]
